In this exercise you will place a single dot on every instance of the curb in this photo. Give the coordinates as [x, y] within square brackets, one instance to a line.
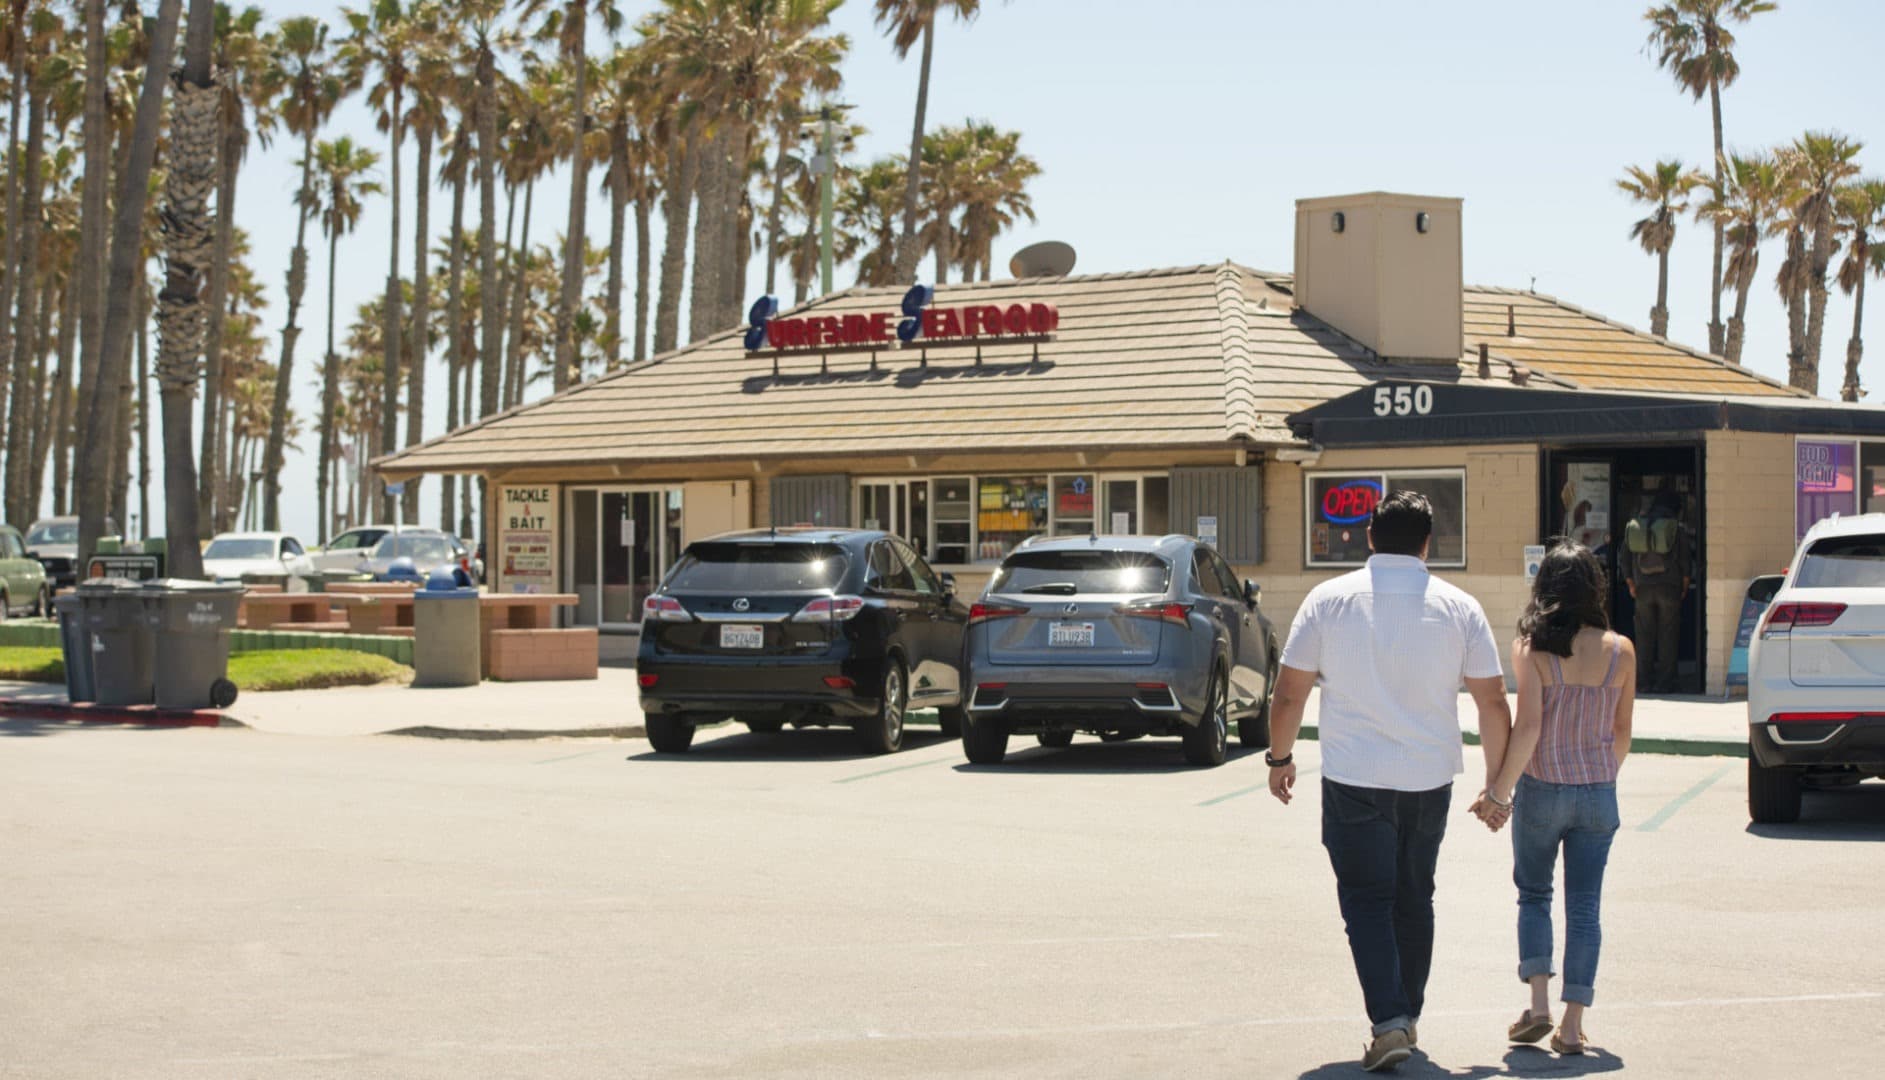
[504, 734]
[137, 715]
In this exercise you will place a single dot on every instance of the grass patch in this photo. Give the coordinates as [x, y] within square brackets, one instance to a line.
[311, 669]
[26, 663]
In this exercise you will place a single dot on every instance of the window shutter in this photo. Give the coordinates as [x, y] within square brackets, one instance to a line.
[1232, 495]
[824, 501]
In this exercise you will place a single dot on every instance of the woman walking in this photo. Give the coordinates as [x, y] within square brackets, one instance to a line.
[1576, 692]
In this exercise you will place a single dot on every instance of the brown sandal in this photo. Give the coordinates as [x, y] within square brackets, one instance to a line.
[1529, 1028]
[1559, 1046]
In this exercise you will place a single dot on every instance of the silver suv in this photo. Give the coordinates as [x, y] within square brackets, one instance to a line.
[1121, 636]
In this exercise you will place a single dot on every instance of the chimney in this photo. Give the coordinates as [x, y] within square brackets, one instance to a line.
[1385, 270]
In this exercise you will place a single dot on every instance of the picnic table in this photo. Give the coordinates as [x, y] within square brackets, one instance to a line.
[519, 638]
[269, 610]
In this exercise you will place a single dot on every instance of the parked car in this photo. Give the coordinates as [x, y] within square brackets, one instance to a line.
[346, 551]
[23, 584]
[1121, 636]
[424, 550]
[54, 542]
[811, 627]
[234, 554]
[1816, 671]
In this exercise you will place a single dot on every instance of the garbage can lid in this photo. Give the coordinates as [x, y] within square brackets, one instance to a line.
[106, 585]
[448, 579]
[65, 602]
[179, 585]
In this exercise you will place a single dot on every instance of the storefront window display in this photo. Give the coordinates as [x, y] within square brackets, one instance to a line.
[1338, 506]
[1011, 509]
[1826, 480]
[964, 520]
[1872, 477]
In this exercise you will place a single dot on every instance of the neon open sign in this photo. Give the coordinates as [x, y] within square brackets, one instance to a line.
[1351, 503]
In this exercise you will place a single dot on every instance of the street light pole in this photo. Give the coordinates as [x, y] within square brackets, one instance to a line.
[824, 201]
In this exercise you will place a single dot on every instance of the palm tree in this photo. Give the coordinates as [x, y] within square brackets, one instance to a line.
[1664, 187]
[907, 22]
[94, 471]
[623, 83]
[189, 234]
[94, 238]
[1692, 41]
[1747, 206]
[300, 74]
[433, 84]
[803, 248]
[13, 35]
[343, 172]
[538, 110]
[1861, 209]
[868, 209]
[20, 340]
[1821, 163]
[993, 192]
[457, 172]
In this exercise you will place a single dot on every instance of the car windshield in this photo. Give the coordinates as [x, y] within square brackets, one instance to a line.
[1844, 562]
[58, 532]
[736, 567]
[1071, 573]
[239, 548]
[416, 548]
[358, 538]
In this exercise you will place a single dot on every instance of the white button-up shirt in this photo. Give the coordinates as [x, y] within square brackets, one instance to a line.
[1391, 643]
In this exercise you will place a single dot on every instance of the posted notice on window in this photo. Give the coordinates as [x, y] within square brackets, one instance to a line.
[526, 539]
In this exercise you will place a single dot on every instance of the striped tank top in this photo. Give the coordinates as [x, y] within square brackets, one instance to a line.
[1579, 736]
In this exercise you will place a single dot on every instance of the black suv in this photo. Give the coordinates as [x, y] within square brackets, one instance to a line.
[812, 627]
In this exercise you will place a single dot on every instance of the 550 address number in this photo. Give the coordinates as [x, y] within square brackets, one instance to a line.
[1403, 400]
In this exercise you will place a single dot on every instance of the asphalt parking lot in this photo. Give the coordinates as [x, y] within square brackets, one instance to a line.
[234, 903]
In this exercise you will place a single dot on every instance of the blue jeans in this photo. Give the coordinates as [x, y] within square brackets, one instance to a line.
[1581, 818]
[1383, 845]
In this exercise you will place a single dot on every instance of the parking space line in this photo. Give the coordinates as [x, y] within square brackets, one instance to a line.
[893, 768]
[1265, 786]
[1677, 803]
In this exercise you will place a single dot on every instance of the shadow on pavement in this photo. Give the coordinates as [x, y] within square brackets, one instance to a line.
[1849, 814]
[27, 727]
[1099, 759]
[1520, 1061]
[808, 744]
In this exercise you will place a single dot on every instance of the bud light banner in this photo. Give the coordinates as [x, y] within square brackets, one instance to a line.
[1825, 481]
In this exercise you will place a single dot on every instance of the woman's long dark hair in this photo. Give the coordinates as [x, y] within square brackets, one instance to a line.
[1567, 596]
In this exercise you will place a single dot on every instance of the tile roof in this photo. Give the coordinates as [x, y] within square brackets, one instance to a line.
[1197, 356]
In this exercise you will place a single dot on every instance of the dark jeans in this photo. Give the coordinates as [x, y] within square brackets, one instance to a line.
[1658, 629]
[1383, 845]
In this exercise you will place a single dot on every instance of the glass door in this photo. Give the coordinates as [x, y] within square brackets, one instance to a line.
[622, 541]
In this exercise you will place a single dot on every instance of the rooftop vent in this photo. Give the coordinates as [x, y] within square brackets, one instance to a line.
[1385, 270]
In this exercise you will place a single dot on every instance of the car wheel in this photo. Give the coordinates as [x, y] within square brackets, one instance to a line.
[1056, 739]
[669, 734]
[984, 740]
[1773, 794]
[43, 608]
[6, 606]
[883, 733]
[1209, 742]
[952, 717]
[1253, 731]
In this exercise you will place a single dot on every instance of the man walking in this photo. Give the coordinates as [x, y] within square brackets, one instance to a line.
[1391, 645]
[1656, 569]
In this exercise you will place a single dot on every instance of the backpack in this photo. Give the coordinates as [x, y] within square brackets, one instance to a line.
[1651, 539]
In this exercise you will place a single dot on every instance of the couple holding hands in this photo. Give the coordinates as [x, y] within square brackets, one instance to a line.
[1391, 645]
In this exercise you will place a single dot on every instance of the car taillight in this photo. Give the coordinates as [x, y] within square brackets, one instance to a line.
[985, 612]
[1785, 618]
[830, 609]
[664, 609]
[840, 682]
[1814, 717]
[1171, 613]
[647, 680]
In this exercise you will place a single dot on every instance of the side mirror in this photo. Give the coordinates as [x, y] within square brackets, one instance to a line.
[1253, 593]
[949, 584]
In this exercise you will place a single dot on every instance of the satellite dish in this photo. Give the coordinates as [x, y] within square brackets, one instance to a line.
[1049, 258]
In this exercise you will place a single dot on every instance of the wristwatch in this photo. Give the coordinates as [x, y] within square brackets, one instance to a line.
[1277, 763]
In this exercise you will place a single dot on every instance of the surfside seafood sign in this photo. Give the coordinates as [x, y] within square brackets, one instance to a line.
[917, 324]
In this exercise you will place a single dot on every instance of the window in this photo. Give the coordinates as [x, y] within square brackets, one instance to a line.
[10, 546]
[1214, 577]
[962, 520]
[1338, 506]
[1872, 477]
[1076, 573]
[1137, 505]
[1844, 562]
[1074, 502]
[1009, 510]
[954, 511]
[291, 546]
[239, 548]
[737, 567]
[888, 570]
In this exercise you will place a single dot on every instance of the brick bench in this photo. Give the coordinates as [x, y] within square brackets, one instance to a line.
[267, 611]
[329, 626]
[542, 655]
[377, 614]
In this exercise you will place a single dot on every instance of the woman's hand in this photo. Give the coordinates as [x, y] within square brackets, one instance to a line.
[1492, 810]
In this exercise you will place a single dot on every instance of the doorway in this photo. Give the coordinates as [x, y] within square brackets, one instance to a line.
[1590, 495]
[622, 540]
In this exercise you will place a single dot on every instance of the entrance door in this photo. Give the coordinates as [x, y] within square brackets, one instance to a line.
[898, 507]
[622, 541]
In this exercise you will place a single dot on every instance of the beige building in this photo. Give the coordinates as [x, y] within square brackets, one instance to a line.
[1264, 411]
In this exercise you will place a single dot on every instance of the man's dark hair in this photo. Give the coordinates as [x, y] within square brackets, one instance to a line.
[1402, 522]
[1669, 503]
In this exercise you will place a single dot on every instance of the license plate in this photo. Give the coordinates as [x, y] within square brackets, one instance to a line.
[737, 636]
[1075, 635]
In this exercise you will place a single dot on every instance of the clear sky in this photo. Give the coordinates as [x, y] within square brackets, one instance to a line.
[1181, 131]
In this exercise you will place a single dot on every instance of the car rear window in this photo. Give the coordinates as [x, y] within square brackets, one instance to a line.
[1844, 562]
[739, 567]
[1072, 573]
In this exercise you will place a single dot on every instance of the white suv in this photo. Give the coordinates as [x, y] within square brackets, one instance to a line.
[1816, 670]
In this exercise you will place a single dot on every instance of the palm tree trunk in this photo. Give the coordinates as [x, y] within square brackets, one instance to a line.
[94, 223]
[775, 210]
[683, 171]
[906, 248]
[59, 405]
[737, 253]
[1715, 342]
[1794, 296]
[1823, 248]
[190, 234]
[1855, 348]
[25, 301]
[22, 491]
[643, 211]
[563, 350]
[421, 311]
[290, 332]
[1659, 315]
[1737, 325]
[391, 330]
[126, 257]
[327, 473]
[709, 236]
[235, 137]
[519, 300]
[618, 220]
[122, 430]
[10, 261]
[35, 480]
[455, 334]
[144, 428]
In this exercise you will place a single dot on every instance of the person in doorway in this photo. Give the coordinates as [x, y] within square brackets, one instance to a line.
[1391, 645]
[1558, 783]
[1655, 565]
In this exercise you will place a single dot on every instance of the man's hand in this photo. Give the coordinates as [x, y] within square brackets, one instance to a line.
[1493, 814]
[1282, 781]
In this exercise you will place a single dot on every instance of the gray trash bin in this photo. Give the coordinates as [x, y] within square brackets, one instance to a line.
[122, 646]
[447, 649]
[190, 621]
[76, 646]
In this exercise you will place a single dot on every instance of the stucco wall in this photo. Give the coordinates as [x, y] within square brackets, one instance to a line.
[1750, 492]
